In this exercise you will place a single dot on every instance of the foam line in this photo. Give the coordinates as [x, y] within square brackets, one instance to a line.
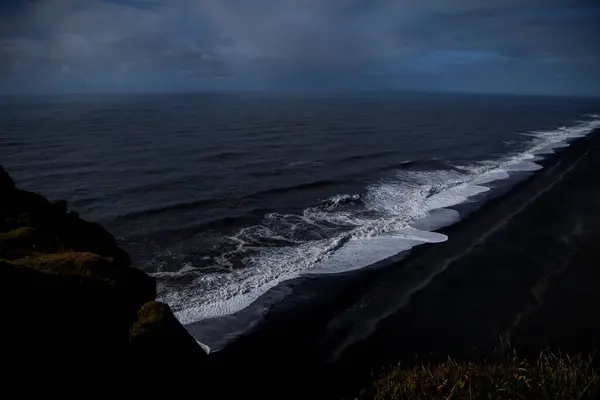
[346, 232]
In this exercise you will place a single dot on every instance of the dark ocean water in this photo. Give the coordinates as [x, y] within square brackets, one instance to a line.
[222, 196]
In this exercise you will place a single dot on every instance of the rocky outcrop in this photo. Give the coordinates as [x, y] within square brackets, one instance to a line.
[69, 293]
[157, 328]
[41, 226]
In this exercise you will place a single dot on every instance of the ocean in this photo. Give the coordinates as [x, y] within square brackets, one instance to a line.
[225, 197]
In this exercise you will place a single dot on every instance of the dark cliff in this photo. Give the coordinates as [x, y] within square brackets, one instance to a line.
[72, 303]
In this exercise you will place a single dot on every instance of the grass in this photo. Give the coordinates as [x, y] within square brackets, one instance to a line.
[15, 234]
[71, 263]
[18, 238]
[551, 376]
[149, 317]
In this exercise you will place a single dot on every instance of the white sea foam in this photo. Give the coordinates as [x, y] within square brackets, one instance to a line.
[353, 231]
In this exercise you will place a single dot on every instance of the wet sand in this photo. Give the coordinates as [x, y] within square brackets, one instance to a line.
[520, 273]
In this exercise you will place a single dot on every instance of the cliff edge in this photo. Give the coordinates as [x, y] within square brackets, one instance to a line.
[71, 298]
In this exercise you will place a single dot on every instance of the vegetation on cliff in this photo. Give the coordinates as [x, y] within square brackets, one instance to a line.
[551, 376]
[72, 295]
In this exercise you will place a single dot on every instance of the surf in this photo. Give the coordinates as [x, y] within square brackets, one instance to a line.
[341, 234]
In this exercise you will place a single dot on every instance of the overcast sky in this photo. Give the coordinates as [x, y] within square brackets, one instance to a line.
[526, 46]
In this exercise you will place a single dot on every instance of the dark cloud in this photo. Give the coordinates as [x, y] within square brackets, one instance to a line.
[537, 46]
[13, 6]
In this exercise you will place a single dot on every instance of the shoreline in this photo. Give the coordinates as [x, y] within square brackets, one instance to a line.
[354, 327]
[240, 315]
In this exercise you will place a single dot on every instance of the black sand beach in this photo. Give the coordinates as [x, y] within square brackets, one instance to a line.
[519, 274]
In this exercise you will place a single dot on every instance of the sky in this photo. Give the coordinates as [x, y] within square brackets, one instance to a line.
[541, 47]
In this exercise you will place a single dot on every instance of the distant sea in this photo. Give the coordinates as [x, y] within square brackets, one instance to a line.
[223, 196]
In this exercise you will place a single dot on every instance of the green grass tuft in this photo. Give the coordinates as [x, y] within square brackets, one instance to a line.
[152, 315]
[23, 231]
[71, 263]
[551, 376]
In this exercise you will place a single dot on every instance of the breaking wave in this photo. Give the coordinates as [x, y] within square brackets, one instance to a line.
[346, 231]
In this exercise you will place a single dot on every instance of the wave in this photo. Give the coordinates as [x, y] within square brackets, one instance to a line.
[360, 157]
[300, 186]
[195, 204]
[312, 163]
[341, 200]
[345, 232]
[223, 156]
[181, 206]
[12, 142]
[278, 170]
